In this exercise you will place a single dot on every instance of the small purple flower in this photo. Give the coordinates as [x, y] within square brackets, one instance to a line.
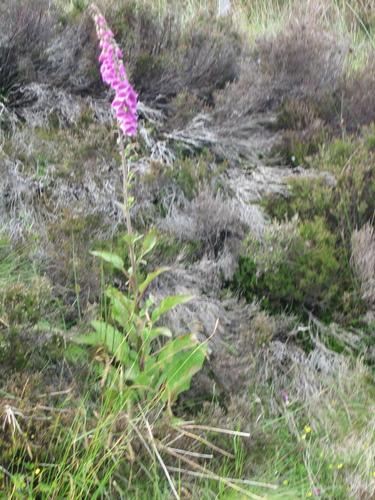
[113, 73]
[316, 491]
[285, 396]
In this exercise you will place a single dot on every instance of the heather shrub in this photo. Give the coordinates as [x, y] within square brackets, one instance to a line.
[317, 70]
[303, 130]
[353, 164]
[291, 80]
[297, 264]
[344, 201]
[25, 304]
[164, 189]
[183, 108]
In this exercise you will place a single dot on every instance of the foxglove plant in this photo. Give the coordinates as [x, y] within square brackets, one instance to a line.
[129, 334]
[125, 105]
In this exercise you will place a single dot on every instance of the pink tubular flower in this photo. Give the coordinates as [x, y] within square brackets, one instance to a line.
[113, 73]
[316, 491]
[285, 396]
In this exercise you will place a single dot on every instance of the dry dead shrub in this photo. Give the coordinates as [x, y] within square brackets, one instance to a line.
[209, 219]
[304, 58]
[39, 51]
[308, 62]
[363, 262]
[356, 97]
[165, 56]
[26, 29]
[303, 62]
[73, 58]
[216, 221]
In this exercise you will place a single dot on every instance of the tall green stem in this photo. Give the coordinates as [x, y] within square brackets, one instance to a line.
[125, 180]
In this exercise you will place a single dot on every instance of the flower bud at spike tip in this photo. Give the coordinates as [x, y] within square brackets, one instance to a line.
[113, 73]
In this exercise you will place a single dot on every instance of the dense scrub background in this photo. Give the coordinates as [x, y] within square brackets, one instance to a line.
[255, 162]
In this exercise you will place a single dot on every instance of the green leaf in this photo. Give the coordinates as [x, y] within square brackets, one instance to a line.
[151, 277]
[131, 238]
[74, 353]
[170, 349]
[149, 242]
[168, 304]
[112, 338]
[178, 361]
[92, 338]
[121, 307]
[131, 372]
[105, 334]
[148, 335]
[161, 331]
[184, 368]
[110, 257]
[121, 206]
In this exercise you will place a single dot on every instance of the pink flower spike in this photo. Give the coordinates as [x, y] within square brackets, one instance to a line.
[316, 491]
[113, 73]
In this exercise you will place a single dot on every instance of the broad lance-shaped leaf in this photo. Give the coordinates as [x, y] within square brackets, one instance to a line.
[149, 335]
[170, 349]
[168, 304]
[179, 361]
[161, 331]
[121, 306]
[104, 334]
[149, 242]
[131, 238]
[179, 378]
[121, 206]
[151, 277]
[110, 257]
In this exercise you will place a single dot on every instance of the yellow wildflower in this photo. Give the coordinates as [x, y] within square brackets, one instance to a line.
[339, 466]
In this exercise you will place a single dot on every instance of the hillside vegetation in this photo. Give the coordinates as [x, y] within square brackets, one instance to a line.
[220, 341]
